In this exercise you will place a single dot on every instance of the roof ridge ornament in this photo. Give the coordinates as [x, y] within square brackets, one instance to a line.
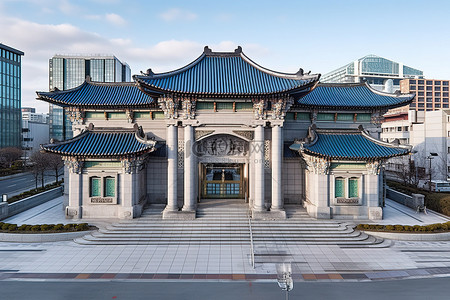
[207, 50]
[238, 50]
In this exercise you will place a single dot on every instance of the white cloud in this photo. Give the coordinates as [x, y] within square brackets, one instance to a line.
[41, 41]
[68, 8]
[177, 14]
[115, 19]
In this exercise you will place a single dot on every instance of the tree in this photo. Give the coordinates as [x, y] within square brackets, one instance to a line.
[8, 156]
[39, 163]
[55, 163]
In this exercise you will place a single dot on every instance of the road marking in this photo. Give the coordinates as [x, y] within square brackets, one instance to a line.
[12, 185]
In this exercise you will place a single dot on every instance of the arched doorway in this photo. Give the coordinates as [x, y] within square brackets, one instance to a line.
[223, 167]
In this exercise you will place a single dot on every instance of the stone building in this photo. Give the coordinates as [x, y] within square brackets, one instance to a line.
[225, 127]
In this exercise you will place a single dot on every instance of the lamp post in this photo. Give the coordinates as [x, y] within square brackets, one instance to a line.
[430, 157]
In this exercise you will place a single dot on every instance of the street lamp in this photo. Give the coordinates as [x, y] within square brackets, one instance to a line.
[430, 157]
[284, 278]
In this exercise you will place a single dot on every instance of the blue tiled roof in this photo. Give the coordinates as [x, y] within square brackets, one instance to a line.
[352, 96]
[224, 74]
[100, 143]
[99, 94]
[351, 145]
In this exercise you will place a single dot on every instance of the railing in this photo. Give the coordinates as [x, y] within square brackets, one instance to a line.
[252, 251]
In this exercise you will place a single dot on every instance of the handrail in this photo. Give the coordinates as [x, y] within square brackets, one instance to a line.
[252, 251]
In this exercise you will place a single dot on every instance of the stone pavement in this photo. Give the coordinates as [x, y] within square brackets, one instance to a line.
[69, 260]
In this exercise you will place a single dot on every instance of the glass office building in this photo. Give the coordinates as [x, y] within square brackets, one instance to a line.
[10, 97]
[381, 73]
[69, 71]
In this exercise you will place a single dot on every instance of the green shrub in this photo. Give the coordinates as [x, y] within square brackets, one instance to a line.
[5, 226]
[22, 227]
[81, 227]
[12, 227]
[46, 227]
[408, 228]
[68, 227]
[390, 227]
[58, 227]
[36, 228]
[398, 227]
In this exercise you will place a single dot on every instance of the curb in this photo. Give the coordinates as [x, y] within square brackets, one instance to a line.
[41, 237]
[442, 236]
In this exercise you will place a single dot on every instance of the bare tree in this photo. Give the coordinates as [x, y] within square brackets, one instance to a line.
[40, 164]
[8, 156]
[55, 163]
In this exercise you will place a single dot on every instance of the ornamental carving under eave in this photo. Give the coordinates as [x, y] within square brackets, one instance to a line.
[259, 109]
[169, 107]
[75, 166]
[373, 168]
[280, 107]
[188, 106]
[76, 117]
[127, 166]
[317, 165]
[130, 115]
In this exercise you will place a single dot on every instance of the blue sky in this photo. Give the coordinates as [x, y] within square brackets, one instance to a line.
[281, 35]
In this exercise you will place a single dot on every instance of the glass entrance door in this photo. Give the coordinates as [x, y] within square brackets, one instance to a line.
[222, 181]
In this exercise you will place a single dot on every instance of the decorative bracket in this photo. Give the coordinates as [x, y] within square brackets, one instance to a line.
[169, 105]
[75, 166]
[188, 106]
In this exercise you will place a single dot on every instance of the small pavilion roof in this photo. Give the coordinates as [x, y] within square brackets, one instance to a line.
[348, 145]
[98, 94]
[225, 74]
[352, 96]
[111, 142]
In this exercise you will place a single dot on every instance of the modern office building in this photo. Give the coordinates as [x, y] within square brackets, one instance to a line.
[381, 73]
[10, 97]
[427, 132]
[431, 94]
[69, 71]
[223, 127]
[29, 114]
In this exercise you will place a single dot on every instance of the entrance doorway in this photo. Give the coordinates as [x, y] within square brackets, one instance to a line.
[223, 181]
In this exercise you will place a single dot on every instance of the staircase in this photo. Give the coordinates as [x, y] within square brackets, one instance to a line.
[225, 222]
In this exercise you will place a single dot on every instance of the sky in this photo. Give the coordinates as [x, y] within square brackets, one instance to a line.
[280, 35]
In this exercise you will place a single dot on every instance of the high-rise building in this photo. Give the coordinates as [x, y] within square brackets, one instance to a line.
[30, 114]
[10, 96]
[69, 71]
[381, 73]
[431, 94]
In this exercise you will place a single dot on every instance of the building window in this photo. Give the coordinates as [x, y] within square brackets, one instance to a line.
[339, 187]
[110, 187]
[429, 99]
[437, 105]
[244, 106]
[412, 81]
[353, 187]
[420, 81]
[445, 105]
[420, 88]
[429, 82]
[445, 94]
[448, 149]
[437, 99]
[437, 94]
[445, 88]
[429, 88]
[94, 187]
[429, 105]
[420, 93]
[444, 82]
[429, 94]
[437, 83]
[345, 117]
[412, 87]
[437, 88]
[325, 117]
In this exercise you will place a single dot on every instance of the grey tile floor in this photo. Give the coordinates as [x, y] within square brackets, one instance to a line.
[69, 257]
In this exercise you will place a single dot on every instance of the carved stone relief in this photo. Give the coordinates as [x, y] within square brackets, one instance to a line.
[249, 135]
[75, 166]
[169, 105]
[317, 165]
[188, 106]
[221, 145]
[373, 168]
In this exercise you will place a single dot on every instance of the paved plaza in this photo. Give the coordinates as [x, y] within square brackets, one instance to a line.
[70, 260]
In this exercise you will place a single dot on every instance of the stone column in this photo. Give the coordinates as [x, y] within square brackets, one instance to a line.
[277, 148]
[172, 167]
[189, 169]
[258, 149]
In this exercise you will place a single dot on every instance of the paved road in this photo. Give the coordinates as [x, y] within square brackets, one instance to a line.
[25, 182]
[430, 288]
